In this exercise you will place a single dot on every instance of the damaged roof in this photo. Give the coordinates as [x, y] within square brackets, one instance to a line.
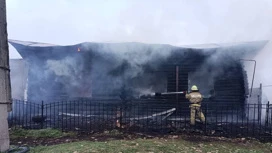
[194, 46]
[25, 48]
[30, 43]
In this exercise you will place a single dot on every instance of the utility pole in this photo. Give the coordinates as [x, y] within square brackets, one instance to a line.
[5, 89]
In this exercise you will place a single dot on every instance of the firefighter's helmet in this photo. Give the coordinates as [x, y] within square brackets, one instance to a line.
[194, 88]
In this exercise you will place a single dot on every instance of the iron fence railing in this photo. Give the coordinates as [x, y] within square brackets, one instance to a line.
[151, 115]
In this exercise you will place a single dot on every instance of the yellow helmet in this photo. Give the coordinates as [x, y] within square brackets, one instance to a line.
[194, 88]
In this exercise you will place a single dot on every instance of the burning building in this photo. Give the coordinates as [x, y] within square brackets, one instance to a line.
[135, 70]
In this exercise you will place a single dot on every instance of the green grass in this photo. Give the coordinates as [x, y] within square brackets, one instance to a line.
[140, 145]
[42, 133]
[155, 145]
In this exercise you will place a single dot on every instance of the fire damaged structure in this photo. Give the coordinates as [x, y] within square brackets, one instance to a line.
[93, 70]
[130, 74]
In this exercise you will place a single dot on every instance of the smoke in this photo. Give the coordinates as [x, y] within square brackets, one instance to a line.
[176, 23]
[263, 72]
[108, 69]
[131, 65]
[19, 75]
[221, 63]
[70, 73]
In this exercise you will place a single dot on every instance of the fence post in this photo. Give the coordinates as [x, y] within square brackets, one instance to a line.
[267, 114]
[259, 110]
[62, 129]
[42, 113]
[206, 110]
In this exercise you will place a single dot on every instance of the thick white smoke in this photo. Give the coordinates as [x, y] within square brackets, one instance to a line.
[109, 68]
[263, 73]
[137, 55]
[63, 67]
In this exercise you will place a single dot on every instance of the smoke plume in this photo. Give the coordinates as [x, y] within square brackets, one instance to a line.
[109, 69]
[263, 72]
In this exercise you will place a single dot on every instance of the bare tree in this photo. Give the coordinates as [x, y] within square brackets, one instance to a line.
[5, 89]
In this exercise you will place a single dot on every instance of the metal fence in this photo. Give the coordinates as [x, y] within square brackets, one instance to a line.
[151, 116]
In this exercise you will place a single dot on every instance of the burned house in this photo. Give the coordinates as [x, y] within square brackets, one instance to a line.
[136, 70]
[98, 86]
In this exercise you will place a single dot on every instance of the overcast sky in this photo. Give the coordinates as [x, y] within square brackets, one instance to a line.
[176, 22]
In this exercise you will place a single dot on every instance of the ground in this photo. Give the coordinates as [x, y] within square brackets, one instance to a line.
[54, 141]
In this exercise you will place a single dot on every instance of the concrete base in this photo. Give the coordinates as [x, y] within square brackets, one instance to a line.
[4, 135]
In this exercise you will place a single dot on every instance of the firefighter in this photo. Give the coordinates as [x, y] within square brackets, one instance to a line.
[195, 99]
